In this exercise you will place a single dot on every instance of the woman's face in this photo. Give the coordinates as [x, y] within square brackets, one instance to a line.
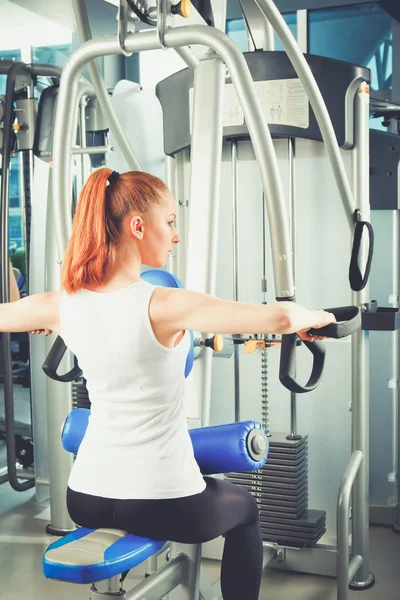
[159, 233]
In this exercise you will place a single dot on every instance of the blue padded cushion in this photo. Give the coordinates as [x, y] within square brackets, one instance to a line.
[167, 279]
[218, 449]
[74, 429]
[124, 554]
[223, 448]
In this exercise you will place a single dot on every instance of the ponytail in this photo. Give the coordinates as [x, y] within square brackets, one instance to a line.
[96, 228]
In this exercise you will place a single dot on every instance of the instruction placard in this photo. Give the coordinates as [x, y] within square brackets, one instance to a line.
[283, 101]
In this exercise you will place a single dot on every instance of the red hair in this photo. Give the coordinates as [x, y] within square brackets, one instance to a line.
[96, 227]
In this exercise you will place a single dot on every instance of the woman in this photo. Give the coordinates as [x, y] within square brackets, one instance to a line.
[135, 468]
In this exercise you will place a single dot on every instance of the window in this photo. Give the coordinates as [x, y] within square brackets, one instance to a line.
[15, 231]
[237, 31]
[14, 183]
[51, 55]
[365, 38]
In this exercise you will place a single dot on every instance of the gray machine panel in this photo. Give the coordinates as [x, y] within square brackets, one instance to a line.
[384, 163]
[333, 77]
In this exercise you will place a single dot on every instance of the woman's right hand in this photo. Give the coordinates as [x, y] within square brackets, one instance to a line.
[301, 320]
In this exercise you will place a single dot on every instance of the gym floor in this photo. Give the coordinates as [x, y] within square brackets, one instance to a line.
[23, 540]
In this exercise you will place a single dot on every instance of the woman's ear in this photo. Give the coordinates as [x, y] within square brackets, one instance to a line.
[136, 226]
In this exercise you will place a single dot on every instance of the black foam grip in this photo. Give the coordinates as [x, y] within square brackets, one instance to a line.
[288, 364]
[357, 281]
[53, 360]
[349, 320]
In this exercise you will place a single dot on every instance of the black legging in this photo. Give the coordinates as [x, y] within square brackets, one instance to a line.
[222, 509]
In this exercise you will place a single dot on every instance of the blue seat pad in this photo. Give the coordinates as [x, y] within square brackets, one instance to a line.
[121, 555]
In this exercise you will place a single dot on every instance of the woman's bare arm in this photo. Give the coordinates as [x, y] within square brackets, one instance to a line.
[172, 310]
[33, 313]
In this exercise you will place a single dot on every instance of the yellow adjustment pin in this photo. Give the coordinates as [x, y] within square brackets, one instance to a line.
[184, 8]
[16, 126]
[218, 343]
[186, 12]
[252, 345]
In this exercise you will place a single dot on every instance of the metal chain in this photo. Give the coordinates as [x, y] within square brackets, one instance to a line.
[264, 392]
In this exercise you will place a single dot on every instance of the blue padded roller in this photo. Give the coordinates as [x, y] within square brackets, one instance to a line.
[232, 447]
[167, 279]
[219, 449]
[89, 555]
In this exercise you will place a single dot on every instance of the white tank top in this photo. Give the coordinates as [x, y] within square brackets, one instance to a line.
[137, 444]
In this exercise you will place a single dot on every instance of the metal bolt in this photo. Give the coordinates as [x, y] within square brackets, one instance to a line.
[280, 555]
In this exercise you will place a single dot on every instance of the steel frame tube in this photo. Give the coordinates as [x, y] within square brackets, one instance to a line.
[236, 267]
[360, 348]
[204, 206]
[317, 102]
[342, 524]
[84, 33]
[396, 355]
[188, 57]
[291, 162]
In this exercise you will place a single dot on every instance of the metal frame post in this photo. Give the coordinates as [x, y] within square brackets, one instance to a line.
[396, 355]
[204, 202]
[236, 267]
[59, 403]
[360, 353]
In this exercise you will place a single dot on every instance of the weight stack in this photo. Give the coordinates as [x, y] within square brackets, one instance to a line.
[280, 489]
[80, 394]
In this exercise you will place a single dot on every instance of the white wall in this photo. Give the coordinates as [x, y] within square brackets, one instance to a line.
[20, 27]
[156, 65]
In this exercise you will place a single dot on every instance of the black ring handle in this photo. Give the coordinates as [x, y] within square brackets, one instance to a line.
[52, 362]
[288, 364]
[357, 281]
[349, 320]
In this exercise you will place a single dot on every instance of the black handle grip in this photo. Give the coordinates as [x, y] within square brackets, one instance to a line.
[53, 360]
[357, 281]
[349, 320]
[288, 364]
